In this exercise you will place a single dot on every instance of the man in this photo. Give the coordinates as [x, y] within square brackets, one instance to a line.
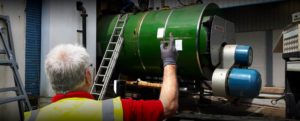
[67, 69]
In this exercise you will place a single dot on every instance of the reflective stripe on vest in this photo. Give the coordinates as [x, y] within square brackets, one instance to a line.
[77, 109]
[107, 110]
[33, 115]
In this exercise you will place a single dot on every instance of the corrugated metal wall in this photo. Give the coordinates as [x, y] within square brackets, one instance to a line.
[262, 17]
[250, 15]
[221, 3]
[33, 47]
[238, 3]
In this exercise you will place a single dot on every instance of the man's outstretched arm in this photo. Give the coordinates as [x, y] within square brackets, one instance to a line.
[169, 89]
[166, 106]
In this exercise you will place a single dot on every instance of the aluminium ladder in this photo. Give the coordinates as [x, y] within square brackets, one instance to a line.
[10, 60]
[109, 59]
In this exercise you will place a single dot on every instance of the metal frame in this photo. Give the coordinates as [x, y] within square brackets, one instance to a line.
[23, 101]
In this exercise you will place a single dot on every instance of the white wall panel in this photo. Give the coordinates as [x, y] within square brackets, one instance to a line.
[60, 22]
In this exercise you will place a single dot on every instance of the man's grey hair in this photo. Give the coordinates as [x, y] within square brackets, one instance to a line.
[65, 67]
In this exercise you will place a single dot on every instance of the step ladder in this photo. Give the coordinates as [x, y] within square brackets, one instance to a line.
[10, 60]
[109, 59]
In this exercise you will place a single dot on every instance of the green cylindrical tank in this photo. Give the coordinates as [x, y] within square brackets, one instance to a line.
[140, 54]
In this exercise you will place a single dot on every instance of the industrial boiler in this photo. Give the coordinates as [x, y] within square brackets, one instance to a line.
[209, 61]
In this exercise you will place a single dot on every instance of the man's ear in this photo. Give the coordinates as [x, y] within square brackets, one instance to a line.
[88, 77]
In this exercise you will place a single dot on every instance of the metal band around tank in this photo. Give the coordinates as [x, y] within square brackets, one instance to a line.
[138, 41]
[219, 82]
[198, 39]
[166, 23]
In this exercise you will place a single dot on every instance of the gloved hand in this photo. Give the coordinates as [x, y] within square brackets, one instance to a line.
[168, 53]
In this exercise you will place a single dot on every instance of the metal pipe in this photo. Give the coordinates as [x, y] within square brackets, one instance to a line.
[80, 7]
[84, 29]
[141, 83]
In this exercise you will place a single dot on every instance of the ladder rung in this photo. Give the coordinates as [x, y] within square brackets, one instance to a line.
[2, 52]
[101, 75]
[95, 94]
[113, 42]
[98, 84]
[103, 66]
[110, 50]
[8, 89]
[119, 27]
[106, 58]
[5, 62]
[116, 35]
[11, 99]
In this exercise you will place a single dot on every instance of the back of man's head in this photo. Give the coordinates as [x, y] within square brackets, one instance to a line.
[66, 66]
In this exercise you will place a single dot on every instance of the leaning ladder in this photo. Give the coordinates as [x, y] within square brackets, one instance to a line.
[21, 96]
[109, 59]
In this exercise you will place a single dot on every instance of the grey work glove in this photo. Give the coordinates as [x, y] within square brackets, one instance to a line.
[168, 53]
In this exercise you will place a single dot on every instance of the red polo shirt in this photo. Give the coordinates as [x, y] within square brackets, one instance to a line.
[133, 110]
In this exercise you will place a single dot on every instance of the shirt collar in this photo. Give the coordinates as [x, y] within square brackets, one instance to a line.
[72, 94]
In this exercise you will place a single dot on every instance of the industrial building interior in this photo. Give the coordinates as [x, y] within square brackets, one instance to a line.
[237, 59]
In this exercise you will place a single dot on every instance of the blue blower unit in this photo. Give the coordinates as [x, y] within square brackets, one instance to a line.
[244, 83]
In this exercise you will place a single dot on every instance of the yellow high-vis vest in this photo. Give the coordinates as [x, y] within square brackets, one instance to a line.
[79, 109]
